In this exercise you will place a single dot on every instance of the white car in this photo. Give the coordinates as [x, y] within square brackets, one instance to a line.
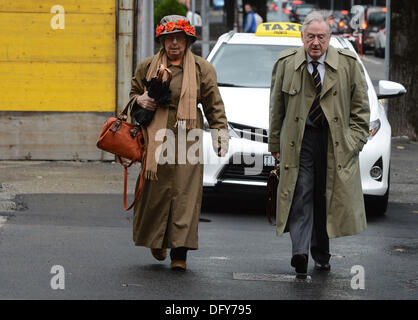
[244, 64]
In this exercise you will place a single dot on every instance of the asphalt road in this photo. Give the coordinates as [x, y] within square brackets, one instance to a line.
[239, 257]
[375, 67]
[69, 215]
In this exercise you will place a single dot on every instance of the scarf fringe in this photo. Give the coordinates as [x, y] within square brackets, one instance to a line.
[150, 175]
[186, 124]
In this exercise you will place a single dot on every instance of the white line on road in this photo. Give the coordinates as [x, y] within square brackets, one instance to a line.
[3, 221]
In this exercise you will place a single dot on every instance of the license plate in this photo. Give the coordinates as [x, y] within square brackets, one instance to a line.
[268, 161]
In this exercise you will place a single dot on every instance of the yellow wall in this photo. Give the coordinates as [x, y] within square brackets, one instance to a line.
[70, 69]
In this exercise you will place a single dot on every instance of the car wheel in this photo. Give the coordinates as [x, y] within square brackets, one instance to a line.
[377, 205]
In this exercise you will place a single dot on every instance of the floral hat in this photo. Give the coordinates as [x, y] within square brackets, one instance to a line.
[173, 24]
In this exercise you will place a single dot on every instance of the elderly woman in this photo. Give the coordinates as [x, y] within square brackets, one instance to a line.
[168, 209]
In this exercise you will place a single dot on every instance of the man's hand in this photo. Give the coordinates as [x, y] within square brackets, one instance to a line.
[276, 155]
[146, 102]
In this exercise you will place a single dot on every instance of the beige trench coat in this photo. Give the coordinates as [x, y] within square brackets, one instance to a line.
[345, 104]
[167, 212]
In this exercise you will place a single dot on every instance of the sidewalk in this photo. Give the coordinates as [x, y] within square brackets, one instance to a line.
[76, 177]
[61, 177]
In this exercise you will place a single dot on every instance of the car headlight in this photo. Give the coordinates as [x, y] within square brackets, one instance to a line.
[374, 127]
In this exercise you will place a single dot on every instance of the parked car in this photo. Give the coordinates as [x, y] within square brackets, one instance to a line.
[380, 43]
[244, 64]
[274, 13]
[300, 12]
[375, 18]
[340, 22]
[292, 4]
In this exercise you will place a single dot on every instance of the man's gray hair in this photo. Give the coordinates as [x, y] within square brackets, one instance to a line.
[317, 16]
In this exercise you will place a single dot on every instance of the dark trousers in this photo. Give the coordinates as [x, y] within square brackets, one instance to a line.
[307, 217]
[179, 253]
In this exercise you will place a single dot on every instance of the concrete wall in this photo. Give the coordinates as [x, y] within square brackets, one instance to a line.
[51, 135]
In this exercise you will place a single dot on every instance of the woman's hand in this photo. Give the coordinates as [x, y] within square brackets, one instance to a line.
[146, 102]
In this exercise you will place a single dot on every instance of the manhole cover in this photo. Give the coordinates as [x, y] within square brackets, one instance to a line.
[268, 277]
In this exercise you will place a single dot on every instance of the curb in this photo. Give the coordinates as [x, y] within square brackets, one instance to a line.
[7, 198]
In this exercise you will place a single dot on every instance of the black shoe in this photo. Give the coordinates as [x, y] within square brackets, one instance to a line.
[322, 266]
[300, 263]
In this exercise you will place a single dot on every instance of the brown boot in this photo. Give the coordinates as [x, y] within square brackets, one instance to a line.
[159, 254]
[178, 265]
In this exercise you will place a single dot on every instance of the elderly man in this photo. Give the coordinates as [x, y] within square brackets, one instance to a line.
[319, 122]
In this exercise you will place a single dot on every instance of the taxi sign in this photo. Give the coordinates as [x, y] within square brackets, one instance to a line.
[279, 29]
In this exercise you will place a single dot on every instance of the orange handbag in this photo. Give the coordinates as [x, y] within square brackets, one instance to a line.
[124, 140]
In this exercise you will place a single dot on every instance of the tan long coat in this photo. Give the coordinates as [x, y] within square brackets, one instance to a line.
[167, 212]
[346, 108]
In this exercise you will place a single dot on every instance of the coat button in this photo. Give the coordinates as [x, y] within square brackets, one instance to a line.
[335, 119]
[292, 144]
[285, 194]
[339, 167]
[296, 118]
[294, 91]
[286, 167]
[335, 92]
[336, 143]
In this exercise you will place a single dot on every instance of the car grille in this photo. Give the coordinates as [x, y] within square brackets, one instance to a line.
[250, 133]
[244, 172]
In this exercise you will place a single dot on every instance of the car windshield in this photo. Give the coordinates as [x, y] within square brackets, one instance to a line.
[376, 18]
[244, 65]
[304, 10]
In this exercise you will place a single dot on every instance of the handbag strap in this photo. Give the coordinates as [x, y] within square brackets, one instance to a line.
[125, 184]
[123, 115]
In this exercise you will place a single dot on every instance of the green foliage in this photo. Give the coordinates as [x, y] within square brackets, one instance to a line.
[164, 8]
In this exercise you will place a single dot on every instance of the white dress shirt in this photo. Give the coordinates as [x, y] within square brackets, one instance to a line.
[321, 66]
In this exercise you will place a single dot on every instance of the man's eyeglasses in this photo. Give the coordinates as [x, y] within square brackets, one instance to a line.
[321, 37]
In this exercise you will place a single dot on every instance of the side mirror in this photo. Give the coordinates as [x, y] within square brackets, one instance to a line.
[390, 89]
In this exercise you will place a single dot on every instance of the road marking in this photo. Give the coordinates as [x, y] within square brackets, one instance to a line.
[219, 258]
[3, 221]
[372, 60]
[132, 285]
[268, 277]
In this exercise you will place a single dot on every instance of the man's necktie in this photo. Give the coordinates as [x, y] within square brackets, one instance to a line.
[315, 113]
